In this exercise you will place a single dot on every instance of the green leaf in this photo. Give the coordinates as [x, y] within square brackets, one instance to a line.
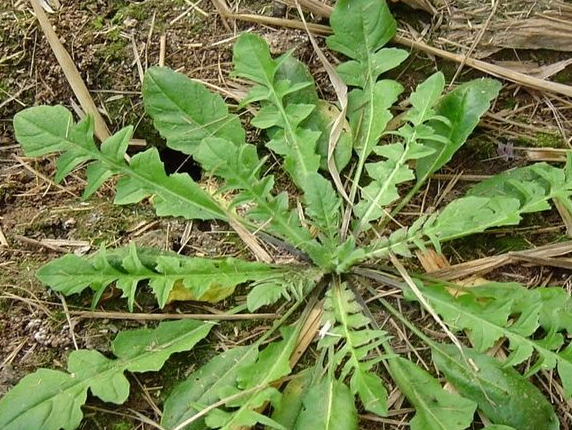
[498, 201]
[435, 408]
[370, 390]
[45, 129]
[388, 174]
[185, 112]
[328, 405]
[253, 386]
[533, 185]
[505, 397]
[323, 207]
[484, 312]
[202, 387]
[354, 341]
[252, 60]
[361, 28]
[265, 294]
[274, 359]
[369, 114]
[470, 215]
[199, 278]
[175, 195]
[463, 108]
[240, 167]
[424, 98]
[289, 408]
[321, 120]
[51, 399]
[143, 176]
[322, 117]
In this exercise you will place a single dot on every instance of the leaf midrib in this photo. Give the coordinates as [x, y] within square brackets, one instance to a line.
[247, 185]
[116, 168]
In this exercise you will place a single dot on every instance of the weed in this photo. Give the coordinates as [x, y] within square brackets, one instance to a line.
[338, 235]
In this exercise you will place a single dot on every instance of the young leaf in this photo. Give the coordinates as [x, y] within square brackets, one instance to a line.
[296, 144]
[386, 175]
[504, 396]
[322, 117]
[240, 167]
[171, 277]
[323, 207]
[463, 108]
[435, 408]
[456, 116]
[349, 328]
[361, 28]
[176, 195]
[498, 201]
[533, 185]
[201, 387]
[328, 405]
[295, 284]
[369, 114]
[185, 112]
[52, 399]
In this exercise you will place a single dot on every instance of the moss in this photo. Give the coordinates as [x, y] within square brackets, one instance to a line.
[122, 425]
[98, 23]
[548, 140]
[115, 49]
[481, 146]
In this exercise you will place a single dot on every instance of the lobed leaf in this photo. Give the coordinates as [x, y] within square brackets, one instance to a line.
[170, 276]
[494, 311]
[240, 167]
[322, 117]
[347, 329]
[532, 185]
[463, 108]
[52, 399]
[499, 201]
[361, 28]
[386, 175]
[252, 60]
[323, 207]
[253, 387]
[175, 195]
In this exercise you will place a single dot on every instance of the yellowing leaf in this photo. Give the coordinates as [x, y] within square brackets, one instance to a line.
[214, 294]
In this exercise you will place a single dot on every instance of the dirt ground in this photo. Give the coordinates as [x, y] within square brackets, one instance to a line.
[41, 220]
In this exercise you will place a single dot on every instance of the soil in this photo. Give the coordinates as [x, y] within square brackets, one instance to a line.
[42, 220]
